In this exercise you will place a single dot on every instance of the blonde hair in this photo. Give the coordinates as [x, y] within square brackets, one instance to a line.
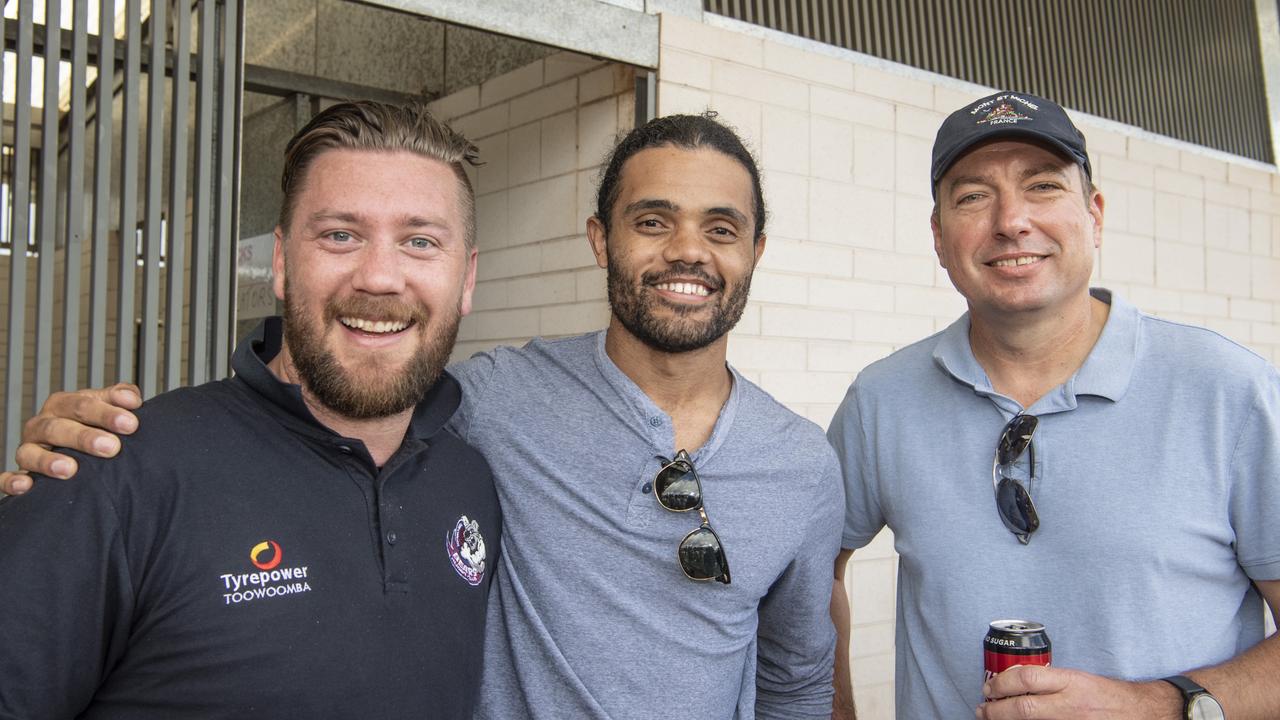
[369, 125]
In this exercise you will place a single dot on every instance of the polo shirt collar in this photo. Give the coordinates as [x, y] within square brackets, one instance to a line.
[257, 349]
[642, 407]
[1105, 372]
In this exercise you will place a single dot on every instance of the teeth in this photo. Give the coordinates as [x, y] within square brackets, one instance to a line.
[1010, 262]
[374, 326]
[685, 288]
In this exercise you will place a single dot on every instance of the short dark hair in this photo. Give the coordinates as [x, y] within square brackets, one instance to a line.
[369, 125]
[684, 131]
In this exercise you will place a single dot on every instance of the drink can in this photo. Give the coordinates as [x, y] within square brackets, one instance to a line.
[1015, 642]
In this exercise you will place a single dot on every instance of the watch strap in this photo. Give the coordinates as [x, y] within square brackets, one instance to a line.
[1189, 689]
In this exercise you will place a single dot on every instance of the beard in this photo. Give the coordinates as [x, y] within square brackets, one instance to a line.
[635, 307]
[374, 389]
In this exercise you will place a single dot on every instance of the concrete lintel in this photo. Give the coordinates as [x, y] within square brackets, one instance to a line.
[589, 27]
[687, 8]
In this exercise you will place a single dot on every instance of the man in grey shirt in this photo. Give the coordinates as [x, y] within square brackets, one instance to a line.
[669, 528]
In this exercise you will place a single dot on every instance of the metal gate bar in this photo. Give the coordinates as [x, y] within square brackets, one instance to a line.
[176, 319]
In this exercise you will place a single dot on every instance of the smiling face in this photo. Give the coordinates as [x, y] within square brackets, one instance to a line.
[1016, 230]
[680, 249]
[375, 274]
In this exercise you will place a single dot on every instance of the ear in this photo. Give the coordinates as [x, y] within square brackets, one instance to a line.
[468, 283]
[935, 227]
[1097, 204]
[759, 249]
[596, 236]
[277, 264]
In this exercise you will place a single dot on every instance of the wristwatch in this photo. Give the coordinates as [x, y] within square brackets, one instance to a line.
[1197, 703]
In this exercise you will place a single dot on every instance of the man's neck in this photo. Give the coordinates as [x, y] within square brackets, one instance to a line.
[1027, 356]
[691, 386]
[381, 436]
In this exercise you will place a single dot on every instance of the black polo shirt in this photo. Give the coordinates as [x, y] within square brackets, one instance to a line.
[238, 559]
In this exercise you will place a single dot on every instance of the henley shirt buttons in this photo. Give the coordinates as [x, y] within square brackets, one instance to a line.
[391, 537]
[645, 488]
[655, 421]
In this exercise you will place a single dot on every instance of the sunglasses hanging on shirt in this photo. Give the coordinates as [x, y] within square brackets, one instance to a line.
[678, 489]
[1013, 499]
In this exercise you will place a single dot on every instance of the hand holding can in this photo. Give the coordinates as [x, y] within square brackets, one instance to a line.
[1015, 642]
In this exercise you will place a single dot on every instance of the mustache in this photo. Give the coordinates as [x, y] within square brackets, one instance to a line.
[372, 307]
[682, 271]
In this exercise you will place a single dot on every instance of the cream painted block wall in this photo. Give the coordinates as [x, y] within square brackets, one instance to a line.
[542, 130]
[849, 273]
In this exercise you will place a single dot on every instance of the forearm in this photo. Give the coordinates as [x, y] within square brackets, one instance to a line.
[1248, 685]
[843, 706]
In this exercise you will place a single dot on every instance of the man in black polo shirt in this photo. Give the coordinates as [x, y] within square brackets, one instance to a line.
[304, 539]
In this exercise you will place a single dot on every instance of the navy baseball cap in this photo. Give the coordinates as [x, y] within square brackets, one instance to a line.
[1006, 115]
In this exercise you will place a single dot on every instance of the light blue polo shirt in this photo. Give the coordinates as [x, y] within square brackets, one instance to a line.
[1156, 467]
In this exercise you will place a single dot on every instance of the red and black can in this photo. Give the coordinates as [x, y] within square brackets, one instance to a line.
[1015, 642]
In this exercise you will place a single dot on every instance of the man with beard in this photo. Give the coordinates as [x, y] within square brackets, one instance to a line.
[637, 469]
[671, 529]
[304, 539]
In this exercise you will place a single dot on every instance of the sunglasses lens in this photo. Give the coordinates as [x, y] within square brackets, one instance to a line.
[1016, 509]
[1016, 438]
[677, 487]
[702, 557]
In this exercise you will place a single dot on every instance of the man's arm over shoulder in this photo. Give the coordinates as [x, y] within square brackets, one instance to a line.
[67, 597]
[796, 637]
[72, 419]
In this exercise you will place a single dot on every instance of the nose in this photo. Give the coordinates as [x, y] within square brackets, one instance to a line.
[687, 245]
[1012, 216]
[379, 269]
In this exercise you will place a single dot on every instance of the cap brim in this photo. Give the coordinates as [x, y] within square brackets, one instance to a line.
[1014, 132]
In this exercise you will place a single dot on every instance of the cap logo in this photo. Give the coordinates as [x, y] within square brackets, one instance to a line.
[1004, 114]
[1001, 110]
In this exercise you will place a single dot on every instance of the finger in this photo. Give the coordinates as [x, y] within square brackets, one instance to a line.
[1022, 707]
[12, 483]
[37, 458]
[82, 409]
[1023, 680]
[125, 395]
[44, 431]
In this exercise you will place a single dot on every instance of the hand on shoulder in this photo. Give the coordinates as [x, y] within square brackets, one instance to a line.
[85, 420]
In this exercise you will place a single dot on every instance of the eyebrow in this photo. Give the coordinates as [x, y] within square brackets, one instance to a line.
[650, 204]
[412, 221]
[1051, 168]
[660, 204]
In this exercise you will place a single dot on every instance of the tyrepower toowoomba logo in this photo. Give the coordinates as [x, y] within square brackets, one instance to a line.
[272, 580]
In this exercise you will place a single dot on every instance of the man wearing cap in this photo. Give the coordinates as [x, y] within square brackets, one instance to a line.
[1057, 456]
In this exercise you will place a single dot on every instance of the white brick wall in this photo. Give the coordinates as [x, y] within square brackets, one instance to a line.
[542, 130]
[849, 274]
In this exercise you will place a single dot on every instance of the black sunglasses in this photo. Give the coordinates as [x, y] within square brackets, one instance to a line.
[1012, 499]
[678, 489]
